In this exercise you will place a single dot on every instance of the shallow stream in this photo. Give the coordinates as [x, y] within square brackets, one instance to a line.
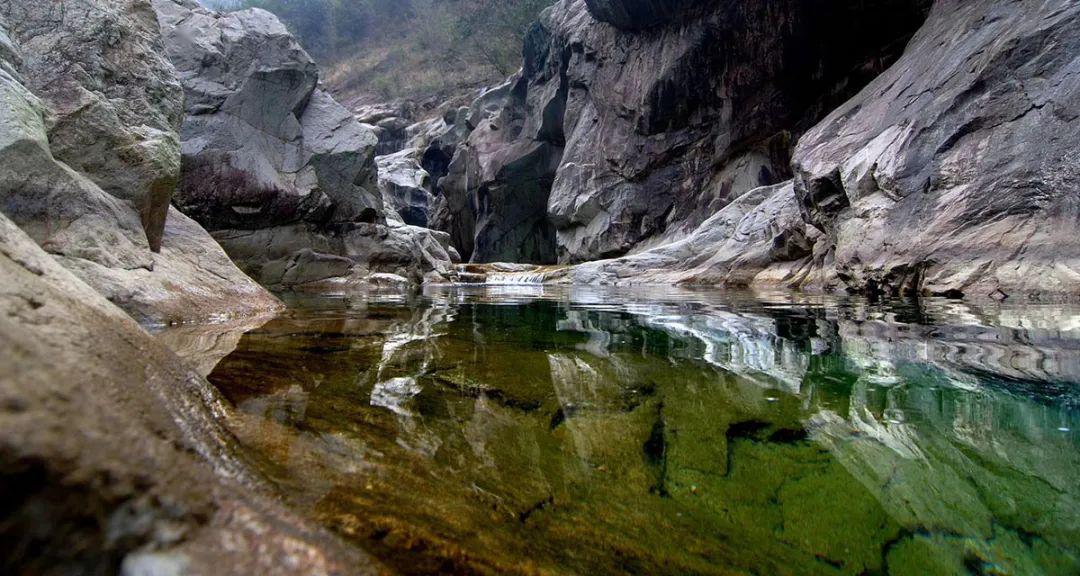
[582, 431]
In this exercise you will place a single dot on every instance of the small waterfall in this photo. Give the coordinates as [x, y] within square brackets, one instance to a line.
[507, 274]
[516, 278]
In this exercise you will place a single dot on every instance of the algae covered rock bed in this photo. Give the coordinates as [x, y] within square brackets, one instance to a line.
[540, 430]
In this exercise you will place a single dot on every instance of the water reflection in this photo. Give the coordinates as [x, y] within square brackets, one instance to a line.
[527, 429]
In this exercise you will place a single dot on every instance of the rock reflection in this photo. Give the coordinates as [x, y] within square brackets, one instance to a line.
[524, 429]
[202, 346]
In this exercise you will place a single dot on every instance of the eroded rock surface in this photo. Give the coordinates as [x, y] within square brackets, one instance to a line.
[282, 175]
[114, 98]
[954, 172]
[106, 106]
[406, 187]
[615, 139]
[958, 170]
[114, 456]
[757, 239]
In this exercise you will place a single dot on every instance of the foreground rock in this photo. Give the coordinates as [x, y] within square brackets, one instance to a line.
[280, 173]
[113, 455]
[613, 139]
[957, 171]
[115, 99]
[88, 161]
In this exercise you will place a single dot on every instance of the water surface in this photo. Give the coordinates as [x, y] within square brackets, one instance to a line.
[582, 431]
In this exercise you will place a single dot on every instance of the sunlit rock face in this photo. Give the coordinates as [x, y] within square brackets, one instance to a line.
[956, 171]
[89, 159]
[614, 139]
[576, 429]
[282, 175]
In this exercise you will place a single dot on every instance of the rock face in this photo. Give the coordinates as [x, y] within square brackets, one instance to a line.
[640, 14]
[89, 155]
[282, 175]
[406, 187]
[642, 131]
[958, 170]
[114, 457]
[115, 98]
[262, 144]
[753, 240]
[616, 138]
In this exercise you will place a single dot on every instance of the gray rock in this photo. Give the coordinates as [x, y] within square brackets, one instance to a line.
[758, 239]
[302, 258]
[436, 139]
[283, 175]
[262, 145]
[639, 14]
[406, 188]
[612, 139]
[99, 66]
[114, 454]
[97, 234]
[958, 171]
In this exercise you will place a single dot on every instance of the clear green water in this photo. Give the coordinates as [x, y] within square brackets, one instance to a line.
[521, 430]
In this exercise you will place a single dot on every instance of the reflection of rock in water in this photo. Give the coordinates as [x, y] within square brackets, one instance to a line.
[202, 346]
[394, 394]
[565, 433]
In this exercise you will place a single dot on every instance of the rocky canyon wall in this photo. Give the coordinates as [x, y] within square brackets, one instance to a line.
[115, 457]
[958, 170]
[710, 142]
[281, 174]
[633, 122]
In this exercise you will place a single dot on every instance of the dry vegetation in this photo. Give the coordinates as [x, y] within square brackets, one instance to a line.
[415, 49]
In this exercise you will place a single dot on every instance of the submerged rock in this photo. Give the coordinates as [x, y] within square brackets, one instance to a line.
[114, 457]
[88, 161]
[283, 175]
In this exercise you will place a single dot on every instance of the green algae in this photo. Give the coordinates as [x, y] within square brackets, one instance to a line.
[472, 435]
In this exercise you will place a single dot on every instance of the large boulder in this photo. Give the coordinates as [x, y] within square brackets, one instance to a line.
[614, 139]
[262, 144]
[88, 220]
[114, 97]
[957, 171]
[114, 456]
[282, 175]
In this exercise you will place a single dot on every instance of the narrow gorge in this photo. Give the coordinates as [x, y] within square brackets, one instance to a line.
[703, 287]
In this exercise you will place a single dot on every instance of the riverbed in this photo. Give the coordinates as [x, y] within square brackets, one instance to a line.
[559, 430]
